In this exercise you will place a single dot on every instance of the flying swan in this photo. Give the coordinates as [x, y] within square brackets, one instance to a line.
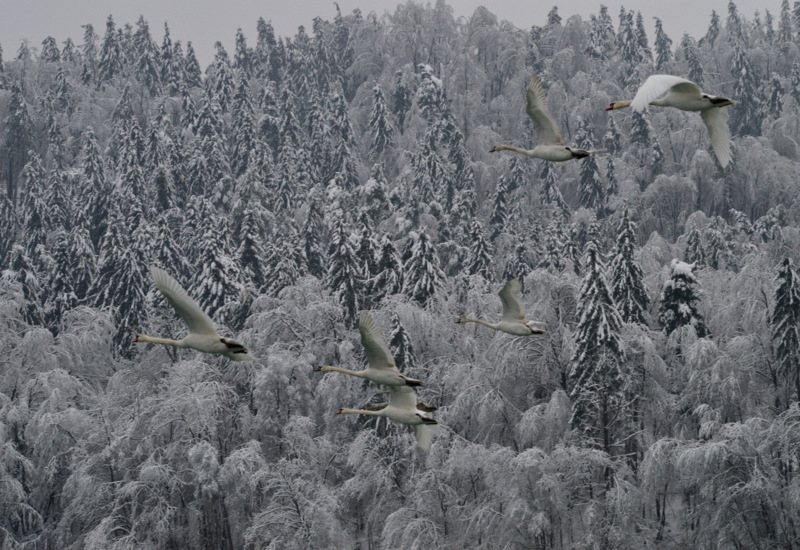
[381, 369]
[403, 408]
[550, 147]
[202, 334]
[513, 321]
[666, 90]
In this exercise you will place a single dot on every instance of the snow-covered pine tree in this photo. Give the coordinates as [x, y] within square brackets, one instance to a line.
[421, 272]
[191, 68]
[785, 323]
[22, 270]
[679, 300]
[344, 273]
[379, 123]
[774, 101]
[244, 132]
[596, 378]
[430, 97]
[110, 62]
[401, 346]
[692, 57]
[627, 279]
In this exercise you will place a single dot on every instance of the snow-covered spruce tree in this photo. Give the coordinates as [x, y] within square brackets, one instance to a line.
[285, 263]
[627, 279]
[216, 278]
[692, 57]
[519, 265]
[747, 119]
[374, 193]
[311, 234]
[479, 261]
[499, 215]
[37, 215]
[389, 278]
[553, 257]
[49, 53]
[429, 170]
[244, 136]
[344, 273]
[22, 270]
[402, 99]
[785, 324]
[379, 123]
[146, 57]
[679, 300]
[421, 272]
[18, 137]
[122, 282]
[250, 253]
[242, 55]
[596, 378]
[694, 253]
[551, 194]
[220, 82]
[110, 62]
[591, 192]
[430, 96]
[663, 47]
[401, 347]
[774, 100]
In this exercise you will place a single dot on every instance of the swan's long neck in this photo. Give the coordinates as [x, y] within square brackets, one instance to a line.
[519, 150]
[660, 102]
[479, 321]
[328, 368]
[165, 341]
[361, 411]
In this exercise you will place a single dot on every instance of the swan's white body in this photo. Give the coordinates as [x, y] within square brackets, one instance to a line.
[665, 90]
[551, 146]
[514, 320]
[402, 408]
[381, 369]
[202, 335]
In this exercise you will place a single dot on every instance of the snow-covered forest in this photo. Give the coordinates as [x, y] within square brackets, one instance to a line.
[298, 180]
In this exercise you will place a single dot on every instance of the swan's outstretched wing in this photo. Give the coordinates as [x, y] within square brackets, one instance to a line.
[716, 120]
[403, 397]
[658, 85]
[378, 355]
[194, 317]
[546, 129]
[513, 308]
[424, 434]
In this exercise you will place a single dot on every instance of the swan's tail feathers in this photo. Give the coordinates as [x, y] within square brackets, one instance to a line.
[412, 382]
[582, 153]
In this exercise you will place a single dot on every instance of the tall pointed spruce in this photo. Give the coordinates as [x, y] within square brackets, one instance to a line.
[627, 275]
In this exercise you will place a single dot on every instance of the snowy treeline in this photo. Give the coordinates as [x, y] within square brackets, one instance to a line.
[298, 180]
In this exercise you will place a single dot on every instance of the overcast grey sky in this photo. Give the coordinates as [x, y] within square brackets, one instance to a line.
[205, 21]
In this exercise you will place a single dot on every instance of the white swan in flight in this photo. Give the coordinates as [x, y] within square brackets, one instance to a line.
[666, 90]
[202, 334]
[381, 369]
[550, 147]
[514, 320]
[402, 408]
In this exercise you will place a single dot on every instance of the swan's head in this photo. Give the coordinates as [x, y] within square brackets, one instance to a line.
[339, 411]
[614, 105]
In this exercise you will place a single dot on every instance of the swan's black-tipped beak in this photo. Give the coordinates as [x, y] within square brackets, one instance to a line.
[339, 411]
[493, 150]
[610, 107]
[318, 368]
[136, 340]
